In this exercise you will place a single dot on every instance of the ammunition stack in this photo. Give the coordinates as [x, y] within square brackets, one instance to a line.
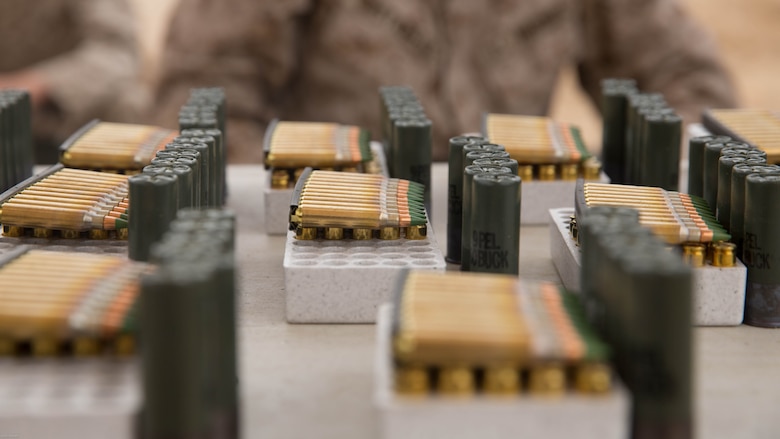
[56, 303]
[188, 330]
[406, 135]
[67, 203]
[637, 295]
[113, 147]
[290, 147]
[545, 150]
[337, 205]
[16, 148]
[641, 136]
[463, 334]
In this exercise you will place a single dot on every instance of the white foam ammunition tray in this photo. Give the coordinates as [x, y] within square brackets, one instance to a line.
[68, 398]
[524, 416]
[276, 202]
[345, 281]
[718, 293]
[538, 197]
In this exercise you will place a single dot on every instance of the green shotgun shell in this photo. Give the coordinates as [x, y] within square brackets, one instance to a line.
[154, 206]
[190, 159]
[217, 166]
[710, 173]
[468, 178]
[412, 144]
[660, 152]
[221, 145]
[172, 369]
[723, 206]
[206, 183]
[696, 162]
[737, 214]
[761, 247]
[495, 223]
[636, 103]
[595, 221]
[455, 194]
[644, 293]
[614, 100]
[655, 359]
[184, 181]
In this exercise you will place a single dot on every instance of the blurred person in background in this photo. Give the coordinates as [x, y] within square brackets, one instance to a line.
[324, 59]
[77, 58]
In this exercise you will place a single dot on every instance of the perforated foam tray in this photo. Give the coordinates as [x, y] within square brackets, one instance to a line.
[524, 416]
[718, 293]
[346, 281]
[68, 398]
[276, 202]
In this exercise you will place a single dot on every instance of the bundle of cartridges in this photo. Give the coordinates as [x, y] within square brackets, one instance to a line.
[341, 204]
[114, 146]
[457, 333]
[555, 149]
[72, 202]
[675, 217]
[52, 302]
[293, 146]
[760, 128]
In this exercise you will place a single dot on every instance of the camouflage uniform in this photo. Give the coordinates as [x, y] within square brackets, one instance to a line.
[324, 60]
[85, 52]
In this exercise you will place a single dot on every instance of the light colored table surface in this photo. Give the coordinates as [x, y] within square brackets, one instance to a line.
[316, 380]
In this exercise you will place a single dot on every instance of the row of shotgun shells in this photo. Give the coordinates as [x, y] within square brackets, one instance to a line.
[641, 136]
[735, 177]
[16, 146]
[335, 205]
[69, 203]
[116, 147]
[406, 136]
[461, 333]
[760, 128]
[188, 316]
[638, 296]
[204, 114]
[719, 168]
[55, 303]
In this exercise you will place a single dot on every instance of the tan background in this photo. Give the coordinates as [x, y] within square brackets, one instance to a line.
[746, 32]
